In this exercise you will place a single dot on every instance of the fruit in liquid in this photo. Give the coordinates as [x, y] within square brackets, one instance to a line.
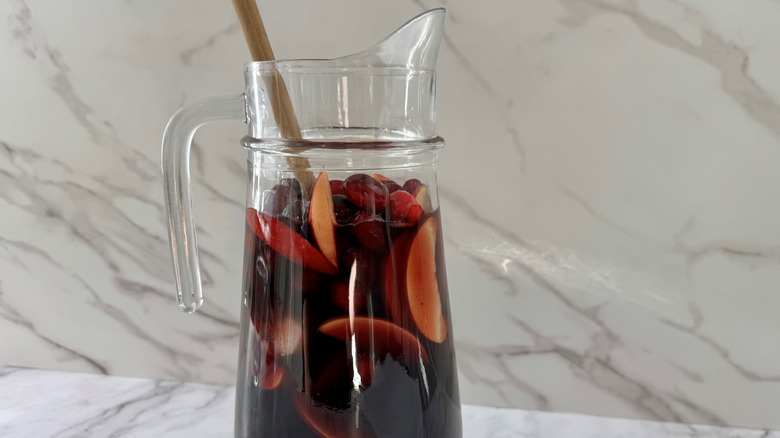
[347, 297]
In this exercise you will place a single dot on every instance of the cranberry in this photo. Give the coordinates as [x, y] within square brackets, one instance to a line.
[412, 185]
[337, 187]
[370, 229]
[403, 207]
[293, 184]
[366, 192]
[294, 215]
[343, 209]
[277, 199]
[392, 186]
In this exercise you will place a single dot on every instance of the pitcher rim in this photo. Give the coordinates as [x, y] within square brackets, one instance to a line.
[325, 66]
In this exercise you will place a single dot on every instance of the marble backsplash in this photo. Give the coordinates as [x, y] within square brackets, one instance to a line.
[609, 189]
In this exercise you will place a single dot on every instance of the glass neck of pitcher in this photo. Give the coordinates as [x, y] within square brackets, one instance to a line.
[384, 93]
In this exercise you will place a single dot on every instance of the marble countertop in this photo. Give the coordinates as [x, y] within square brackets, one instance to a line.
[38, 403]
[608, 193]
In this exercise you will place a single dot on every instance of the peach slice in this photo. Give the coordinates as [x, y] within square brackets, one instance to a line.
[322, 218]
[422, 286]
[423, 198]
[287, 242]
[382, 336]
[328, 422]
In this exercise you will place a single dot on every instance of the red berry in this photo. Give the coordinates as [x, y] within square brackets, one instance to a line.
[294, 214]
[277, 199]
[370, 229]
[415, 211]
[412, 185]
[366, 192]
[401, 205]
[343, 209]
[392, 186]
[293, 184]
[337, 187]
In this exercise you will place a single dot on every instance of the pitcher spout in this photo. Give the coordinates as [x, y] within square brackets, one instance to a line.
[415, 45]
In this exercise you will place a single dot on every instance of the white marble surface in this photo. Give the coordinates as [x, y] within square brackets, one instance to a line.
[36, 403]
[609, 190]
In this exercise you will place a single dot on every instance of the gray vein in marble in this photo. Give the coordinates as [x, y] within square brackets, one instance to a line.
[32, 159]
[197, 157]
[518, 146]
[102, 132]
[702, 415]
[748, 252]
[79, 405]
[595, 367]
[693, 376]
[135, 289]
[82, 229]
[730, 60]
[482, 81]
[593, 364]
[579, 200]
[21, 27]
[99, 241]
[509, 382]
[162, 390]
[186, 55]
[471, 213]
[12, 315]
[694, 330]
[29, 249]
[133, 328]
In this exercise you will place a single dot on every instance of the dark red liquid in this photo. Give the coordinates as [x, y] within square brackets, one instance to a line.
[359, 348]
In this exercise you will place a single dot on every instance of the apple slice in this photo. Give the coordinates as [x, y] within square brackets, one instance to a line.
[423, 198]
[422, 286]
[380, 177]
[322, 218]
[329, 422]
[287, 242]
[382, 336]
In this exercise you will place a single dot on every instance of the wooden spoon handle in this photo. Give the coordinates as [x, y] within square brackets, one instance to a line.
[260, 49]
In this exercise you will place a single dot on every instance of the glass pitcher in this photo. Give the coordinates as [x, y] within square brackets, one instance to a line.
[345, 317]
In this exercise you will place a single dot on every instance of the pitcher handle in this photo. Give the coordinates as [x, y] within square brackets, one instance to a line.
[178, 200]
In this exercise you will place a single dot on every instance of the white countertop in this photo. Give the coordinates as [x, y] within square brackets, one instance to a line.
[38, 403]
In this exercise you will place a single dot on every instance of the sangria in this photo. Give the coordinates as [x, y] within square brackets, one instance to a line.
[345, 296]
